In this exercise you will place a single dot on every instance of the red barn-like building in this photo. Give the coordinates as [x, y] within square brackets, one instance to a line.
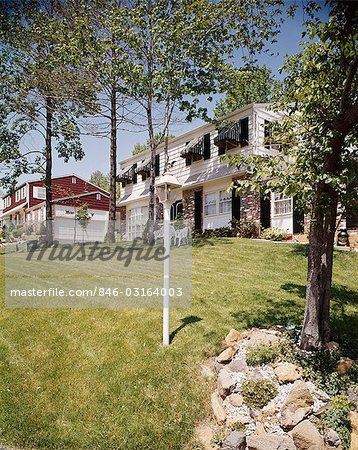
[26, 206]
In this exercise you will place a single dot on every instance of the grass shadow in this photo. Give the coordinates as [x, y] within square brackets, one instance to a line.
[188, 320]
[202, 242]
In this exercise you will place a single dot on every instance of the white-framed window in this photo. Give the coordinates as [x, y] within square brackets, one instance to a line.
[282, 204]
[98, 196]
[7, 201]
[39, 193]
[74, 180]
[23, 192]
[137, 220]
[224, 202]
[17, 195]
[210, 204]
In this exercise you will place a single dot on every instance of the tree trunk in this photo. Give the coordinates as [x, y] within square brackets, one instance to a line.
[48, 175]
[316, 325]
[151, 208]
[113, 169]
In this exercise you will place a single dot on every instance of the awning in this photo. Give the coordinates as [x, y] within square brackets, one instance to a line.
[195, 147]
[143, 167]
[229, 136]
[126, 175]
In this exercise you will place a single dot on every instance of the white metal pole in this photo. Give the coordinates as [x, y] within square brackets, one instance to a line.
[166, 208]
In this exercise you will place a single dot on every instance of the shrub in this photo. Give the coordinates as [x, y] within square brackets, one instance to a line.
[18, 231]
[274, 234]
[215, 233]
[257, 393]
[248, 229]
[336, 417]
[262, 354]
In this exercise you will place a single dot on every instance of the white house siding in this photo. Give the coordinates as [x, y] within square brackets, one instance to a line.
[281, 221]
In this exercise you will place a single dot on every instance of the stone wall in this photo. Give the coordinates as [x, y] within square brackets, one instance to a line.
[122, 220]
[250, 205]
[189, 205]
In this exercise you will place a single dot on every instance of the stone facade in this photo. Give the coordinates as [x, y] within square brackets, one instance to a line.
[122, 220]
[189, 205]
[250, 205]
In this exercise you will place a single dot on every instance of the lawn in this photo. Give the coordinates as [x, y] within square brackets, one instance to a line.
[100, 379]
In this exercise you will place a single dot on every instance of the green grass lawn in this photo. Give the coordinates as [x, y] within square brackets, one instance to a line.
[100, 379]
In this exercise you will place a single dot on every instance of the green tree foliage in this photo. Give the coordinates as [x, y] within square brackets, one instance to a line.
[317, 135]
[243, 86]
[139, 148]
[100, 179]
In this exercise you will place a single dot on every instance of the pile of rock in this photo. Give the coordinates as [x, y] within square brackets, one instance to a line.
[287, 422]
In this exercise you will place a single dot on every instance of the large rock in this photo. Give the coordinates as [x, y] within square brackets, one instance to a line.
[297, 406]
[270, 442]
[232, 338]
[226, 355]
[332, 439]
[353, 396]
[262, 337]
[205, 434]
[225, 383]
[353, 417]
[306, 436]
[236, 399]
[344, 365]
[319, 393]
[287, 373]
[235, 441]
[332, 346]
[238, 365]
[218, 408]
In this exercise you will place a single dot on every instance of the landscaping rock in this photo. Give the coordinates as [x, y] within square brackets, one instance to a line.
[306, 436]
[270, 442]
[332, 346]
[287, 373]
[318, 393]
[226, 383]
[270, 409]
[232, 338]
[344, 365]
[218, 366]
[261, 337]
[240, 418]
[235, 441]
[332, 438]
[353, 396]
[207, 372]
[260, 429]
[218, 408]
[353, 417]
[238, 365]
[226, 355]
[235, 399]
[297, 406]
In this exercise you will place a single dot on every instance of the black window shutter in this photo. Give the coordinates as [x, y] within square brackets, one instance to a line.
[188, 160]
[207, 146]
[244, 125]
[221, 151]
[144, 176]
[135, 176]
[235, 205]
[157, 163]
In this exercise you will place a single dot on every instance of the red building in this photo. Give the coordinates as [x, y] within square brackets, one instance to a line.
[26, 205]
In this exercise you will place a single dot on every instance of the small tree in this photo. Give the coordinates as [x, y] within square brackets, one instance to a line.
[318, 160]
[83, 217]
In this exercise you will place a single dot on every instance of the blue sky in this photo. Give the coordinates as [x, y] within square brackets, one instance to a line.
[96, 149]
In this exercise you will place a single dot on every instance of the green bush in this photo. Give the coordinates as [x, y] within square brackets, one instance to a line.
[274, 234]
[336, 417]
[215, 233]
[248, 229]
[262, 354]
[257, 393]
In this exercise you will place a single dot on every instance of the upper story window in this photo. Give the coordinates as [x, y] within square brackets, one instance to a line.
[224, 202]
[210, 204]
[282, 204]
[39, 193]
[17, 195]
[232, 136]
[198, 148]
[74, 180]
[23, 192]
[98, 196]
[7, 201]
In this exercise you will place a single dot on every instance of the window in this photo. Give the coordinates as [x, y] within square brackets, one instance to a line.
[39, 193]
[224, 202]
[137, 220]
[207, 146]
[282, 204]
[210, 204]
[7, 201]
[17, 195]
[98, 197]
[23, 192]
[74, 180]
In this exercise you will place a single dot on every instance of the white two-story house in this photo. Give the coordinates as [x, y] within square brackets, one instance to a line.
[195, 158]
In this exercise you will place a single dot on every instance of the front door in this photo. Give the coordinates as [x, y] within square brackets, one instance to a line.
[198, 210]
[265, 212]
